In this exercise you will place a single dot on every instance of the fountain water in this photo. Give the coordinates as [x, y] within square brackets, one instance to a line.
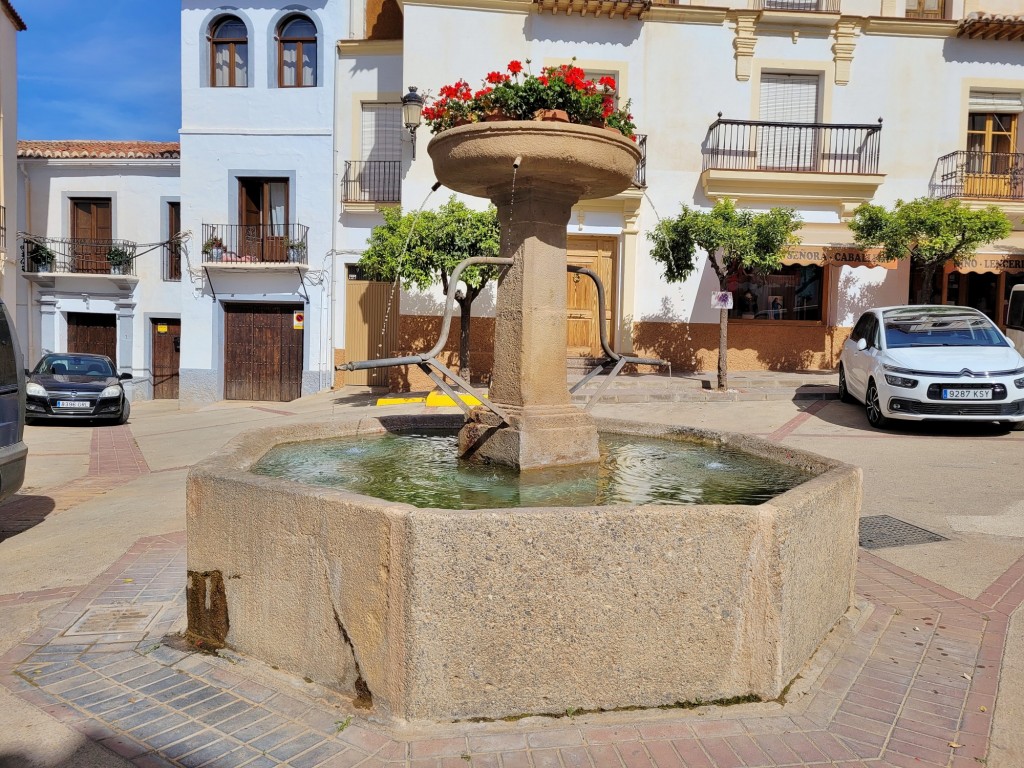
[440, 614]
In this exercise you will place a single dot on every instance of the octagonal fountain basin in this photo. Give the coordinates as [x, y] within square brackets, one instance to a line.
[589, 603]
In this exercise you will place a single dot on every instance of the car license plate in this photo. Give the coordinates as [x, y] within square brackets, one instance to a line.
[76, 404]
[967, 394]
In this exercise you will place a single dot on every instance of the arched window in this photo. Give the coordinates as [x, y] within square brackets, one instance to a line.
[229, 53]
[296, 53]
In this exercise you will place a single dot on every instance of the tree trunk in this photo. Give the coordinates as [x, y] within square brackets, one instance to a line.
[466, 307]
[723, 349]
[924, 290]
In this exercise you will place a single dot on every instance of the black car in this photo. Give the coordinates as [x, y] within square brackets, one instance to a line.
[68, 385]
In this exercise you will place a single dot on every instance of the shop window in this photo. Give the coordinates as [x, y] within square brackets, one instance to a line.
[296, 53]
[229, 53]
[792, 292]
[1015, 308]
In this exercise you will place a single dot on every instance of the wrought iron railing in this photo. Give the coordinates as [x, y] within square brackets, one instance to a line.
[820, 6]
[255, 243]
[989, 175]
[758, 145]
[73, 255]
[640, 178]
[372, 181]
[3, 227]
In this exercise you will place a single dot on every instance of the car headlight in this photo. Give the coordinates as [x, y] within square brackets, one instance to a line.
[1019, 383]
[900, 381]
[112, 391]
[35, 389]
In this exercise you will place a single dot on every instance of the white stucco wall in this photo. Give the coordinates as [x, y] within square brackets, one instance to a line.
[9, 159]
[139, 191]
[257, 131]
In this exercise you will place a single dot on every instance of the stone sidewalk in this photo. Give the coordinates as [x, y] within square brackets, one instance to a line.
[910, 679]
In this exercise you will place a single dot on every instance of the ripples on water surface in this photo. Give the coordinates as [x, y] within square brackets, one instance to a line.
[422, 468]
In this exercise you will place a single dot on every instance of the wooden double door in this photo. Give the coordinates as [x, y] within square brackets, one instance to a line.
[262, 352]
[93, 333]
[583, 327]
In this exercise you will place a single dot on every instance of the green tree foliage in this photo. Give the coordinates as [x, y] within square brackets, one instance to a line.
[930, 232]
[734, 240]
[424, 250]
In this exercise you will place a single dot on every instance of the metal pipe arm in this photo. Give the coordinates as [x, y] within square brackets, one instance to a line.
[453, 284]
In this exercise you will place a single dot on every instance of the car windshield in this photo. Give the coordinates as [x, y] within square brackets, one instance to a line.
[947, 329]
[74, 365]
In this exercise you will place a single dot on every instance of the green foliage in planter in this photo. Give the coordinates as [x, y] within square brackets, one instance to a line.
[118, 256]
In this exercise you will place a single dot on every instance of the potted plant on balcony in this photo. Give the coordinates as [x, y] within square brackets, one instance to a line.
[41, 257]
[296, 251]
[213, 248]
[119, 257]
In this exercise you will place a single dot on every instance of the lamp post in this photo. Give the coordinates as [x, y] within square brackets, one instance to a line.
[412, 114]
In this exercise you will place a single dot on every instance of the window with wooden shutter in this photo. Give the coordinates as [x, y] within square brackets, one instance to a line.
[91, 235]
[229, 53]
[172, 248]
[296, 53]
[788, 99]
[926, 9]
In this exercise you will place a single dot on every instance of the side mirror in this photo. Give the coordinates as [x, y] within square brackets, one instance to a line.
[862, 344]
[125, 376]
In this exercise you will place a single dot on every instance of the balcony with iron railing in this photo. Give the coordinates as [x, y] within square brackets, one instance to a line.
[45, 257]
[368, 183]
[979, 175]
[829, 163]
[255, 245]
[640, 177]
[815, 6]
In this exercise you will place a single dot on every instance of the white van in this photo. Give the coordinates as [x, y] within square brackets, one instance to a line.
[1015, 318]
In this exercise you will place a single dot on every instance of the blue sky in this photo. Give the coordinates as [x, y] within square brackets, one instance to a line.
[99, 69]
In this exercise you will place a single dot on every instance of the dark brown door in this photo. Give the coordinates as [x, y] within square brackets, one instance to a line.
[166, 358]
[93, 333]
[263, 215]
[262, 352]
[172, 268]
[91, 233]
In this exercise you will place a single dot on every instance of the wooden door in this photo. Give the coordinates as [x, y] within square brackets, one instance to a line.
[91, 232]
[166, 358]
[991, 158]
[172, 252]
[583, 333]
[94, 334]
[262, 352]
[263, 214]
[371, 330]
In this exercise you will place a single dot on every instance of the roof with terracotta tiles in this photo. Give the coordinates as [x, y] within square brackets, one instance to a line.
[104, 150]
[991, 26]
[13, 15]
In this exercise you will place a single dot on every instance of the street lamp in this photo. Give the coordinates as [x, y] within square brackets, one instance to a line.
[412, 114]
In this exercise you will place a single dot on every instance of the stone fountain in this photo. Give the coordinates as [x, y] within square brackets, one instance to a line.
[448, 614]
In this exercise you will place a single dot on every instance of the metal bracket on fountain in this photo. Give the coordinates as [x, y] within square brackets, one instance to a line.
[612, 359]
[427, 361]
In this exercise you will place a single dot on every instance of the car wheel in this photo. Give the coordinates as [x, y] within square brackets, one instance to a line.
[844, 391]
[126, 411]
[873, 408]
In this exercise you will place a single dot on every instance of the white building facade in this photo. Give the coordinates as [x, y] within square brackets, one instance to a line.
[10, 25]
[818, 105]
[258, 195]
[99, 266]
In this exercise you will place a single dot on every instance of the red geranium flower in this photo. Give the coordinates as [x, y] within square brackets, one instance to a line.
[607, 82]
[515, 67]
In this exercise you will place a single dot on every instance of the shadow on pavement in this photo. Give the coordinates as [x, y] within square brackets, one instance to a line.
[851, 416]
[19, 513]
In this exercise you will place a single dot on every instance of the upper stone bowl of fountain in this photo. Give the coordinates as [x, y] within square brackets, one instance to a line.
[583, 161]
[448, 614]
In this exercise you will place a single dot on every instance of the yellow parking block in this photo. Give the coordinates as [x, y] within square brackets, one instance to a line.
[438, 399]
[399, 400]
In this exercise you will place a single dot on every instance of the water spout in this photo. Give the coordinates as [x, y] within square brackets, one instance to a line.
[518, 161]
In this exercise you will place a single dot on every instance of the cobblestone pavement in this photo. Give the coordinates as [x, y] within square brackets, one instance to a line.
[909, 680]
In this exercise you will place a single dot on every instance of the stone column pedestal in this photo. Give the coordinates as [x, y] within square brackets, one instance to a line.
[534, 173]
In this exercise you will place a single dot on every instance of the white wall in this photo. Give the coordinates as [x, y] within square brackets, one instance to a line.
[9, 159]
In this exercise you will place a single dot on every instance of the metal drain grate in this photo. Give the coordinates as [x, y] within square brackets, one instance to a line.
[110, 619]
[878, 531]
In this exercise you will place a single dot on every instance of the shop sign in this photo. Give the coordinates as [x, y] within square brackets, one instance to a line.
[721, 299]
[820, 255]
[989, 262]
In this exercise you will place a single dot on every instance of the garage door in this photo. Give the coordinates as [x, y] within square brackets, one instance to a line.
[92, 333]
[262, 352]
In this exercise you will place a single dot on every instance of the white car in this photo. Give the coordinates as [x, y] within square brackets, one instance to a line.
[932, 362]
